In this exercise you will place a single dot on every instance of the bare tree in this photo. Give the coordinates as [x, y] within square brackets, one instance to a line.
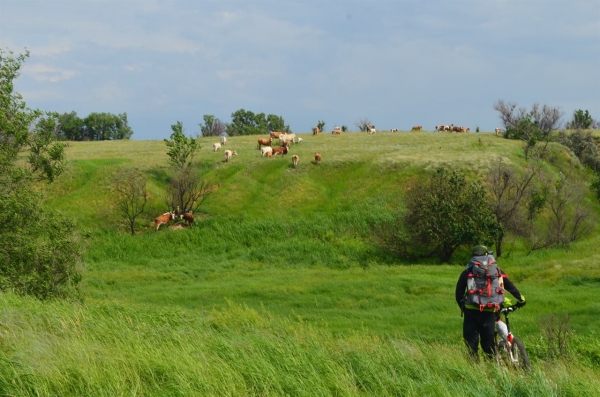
[509, 190]
[187, 190]
[363, 124]
[131, 195]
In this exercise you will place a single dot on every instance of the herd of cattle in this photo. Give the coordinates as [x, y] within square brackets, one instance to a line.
[267, 149]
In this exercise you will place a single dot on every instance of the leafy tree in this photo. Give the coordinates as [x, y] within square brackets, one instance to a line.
[39, 249]
[106, 126]
[583, 145]
[445, 211]
[130, 195]
[533, 126]
[70, 127]
[344, 128]
[181, 148]
[321, 125]
[245, 122]
[582, 120]
[212, 126]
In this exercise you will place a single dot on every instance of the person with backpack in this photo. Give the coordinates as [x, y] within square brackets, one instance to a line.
[480, 294]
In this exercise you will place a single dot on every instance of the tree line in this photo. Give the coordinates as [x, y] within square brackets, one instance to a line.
[94, 127]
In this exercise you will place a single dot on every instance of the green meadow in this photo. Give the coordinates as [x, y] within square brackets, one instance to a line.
[280, 289]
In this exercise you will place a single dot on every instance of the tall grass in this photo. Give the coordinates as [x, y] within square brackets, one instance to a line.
[108, 349]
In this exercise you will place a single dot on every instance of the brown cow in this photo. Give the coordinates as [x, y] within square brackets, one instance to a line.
[264, 142]
[417, 128]
[315, 130]
[280, 150]
[164, 219]
[337, 130]
[318, 158]
[188, 218]
[275, 135]
[295, 160]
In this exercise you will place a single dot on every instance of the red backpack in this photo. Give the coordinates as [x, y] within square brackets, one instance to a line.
[485, 286]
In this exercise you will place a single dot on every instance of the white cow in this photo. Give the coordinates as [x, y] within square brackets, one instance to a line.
[265, 150]
[223, 140]
[229, 153]
[216, 147]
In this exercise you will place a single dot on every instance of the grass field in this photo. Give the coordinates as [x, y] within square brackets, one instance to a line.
[279, 288]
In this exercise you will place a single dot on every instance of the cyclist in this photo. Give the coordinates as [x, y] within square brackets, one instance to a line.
[480, 320]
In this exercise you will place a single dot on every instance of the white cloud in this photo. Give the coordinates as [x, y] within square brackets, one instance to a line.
[42, 72]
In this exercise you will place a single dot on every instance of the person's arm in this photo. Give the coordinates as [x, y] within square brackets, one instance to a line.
[461, 287]
[510, 287]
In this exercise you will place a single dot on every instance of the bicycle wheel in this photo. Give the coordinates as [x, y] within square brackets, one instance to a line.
[515, 356]
[519, 355]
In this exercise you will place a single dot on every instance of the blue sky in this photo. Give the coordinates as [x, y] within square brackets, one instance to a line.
[397, 63]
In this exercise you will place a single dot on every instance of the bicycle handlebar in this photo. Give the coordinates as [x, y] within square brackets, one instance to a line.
[509, 309]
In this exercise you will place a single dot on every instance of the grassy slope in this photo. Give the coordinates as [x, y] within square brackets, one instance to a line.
[294, 242]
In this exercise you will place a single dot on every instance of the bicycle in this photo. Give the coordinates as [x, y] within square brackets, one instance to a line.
[509, 350]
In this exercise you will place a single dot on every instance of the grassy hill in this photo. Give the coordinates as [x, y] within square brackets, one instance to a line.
[279, 288]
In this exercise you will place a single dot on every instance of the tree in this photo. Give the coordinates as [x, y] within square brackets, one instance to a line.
[187, 190]
[181, 149]
[444, 211]
[245, 122]
[532, 127]
[70, 127]
[581, 121]
[363, 124]
[39, 249]
[510, 192]
[321, 125]
[212, 126]
[106, 126]
[130, 195]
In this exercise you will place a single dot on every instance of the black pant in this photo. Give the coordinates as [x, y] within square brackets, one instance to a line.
[479, 325]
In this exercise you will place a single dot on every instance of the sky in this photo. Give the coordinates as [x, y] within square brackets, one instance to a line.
[395, 63]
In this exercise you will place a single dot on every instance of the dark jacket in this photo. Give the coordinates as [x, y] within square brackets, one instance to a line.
[461, 287]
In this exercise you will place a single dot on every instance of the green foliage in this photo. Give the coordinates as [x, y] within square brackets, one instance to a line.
[444, 211]
[39, 252]
[344, 128]
[95, 127]
[581, 120]
[181, 149]
[584, 146]
[247, 123]
[321, 125]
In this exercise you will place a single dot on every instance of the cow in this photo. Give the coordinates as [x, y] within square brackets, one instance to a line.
[299, 140]
[164, 219]
[315, 130]
[264, 142]
[223, 140]
[417, 128]
[465, 129]
[456, 128]
[216, 147]
[280, 150]
[371, 129]
[498, 131]
[229, 153]
[274, 134]
[336, 130]
[265, 151]
[287, 138]
[188, 218]
[394, 130]
[295, 160]
[318, 158]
